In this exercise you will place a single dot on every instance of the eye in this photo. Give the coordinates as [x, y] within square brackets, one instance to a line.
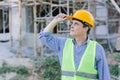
[76, 23]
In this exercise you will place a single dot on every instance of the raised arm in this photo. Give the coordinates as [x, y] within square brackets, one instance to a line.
[53, 42]
[60, 17]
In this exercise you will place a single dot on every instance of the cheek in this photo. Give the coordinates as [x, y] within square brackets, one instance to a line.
[78, 29]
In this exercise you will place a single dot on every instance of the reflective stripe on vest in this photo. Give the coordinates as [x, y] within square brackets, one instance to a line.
[86, 70]
[92, 76]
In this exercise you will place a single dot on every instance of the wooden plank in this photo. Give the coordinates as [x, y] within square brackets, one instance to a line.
[80, 0]
[20, 30]
[8, 4]
[113, 20]
[30, 0]
[10, 27]
[30, 4]
[35, 31]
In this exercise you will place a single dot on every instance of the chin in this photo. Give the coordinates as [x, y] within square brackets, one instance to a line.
[71, 34]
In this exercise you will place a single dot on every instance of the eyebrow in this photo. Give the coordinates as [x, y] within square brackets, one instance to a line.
[76, 22]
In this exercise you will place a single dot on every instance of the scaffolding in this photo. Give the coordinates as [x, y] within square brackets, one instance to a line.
[43, 12]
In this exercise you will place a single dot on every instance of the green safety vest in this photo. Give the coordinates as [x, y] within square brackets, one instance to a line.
[86, 70]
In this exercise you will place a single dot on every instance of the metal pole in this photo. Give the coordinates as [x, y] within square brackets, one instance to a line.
[116, 6]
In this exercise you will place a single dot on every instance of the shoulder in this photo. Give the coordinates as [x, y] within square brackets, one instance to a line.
[99, 47]
[100, 52]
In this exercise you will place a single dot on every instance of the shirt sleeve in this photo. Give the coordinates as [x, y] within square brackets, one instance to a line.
[53, 42]
[102, 65]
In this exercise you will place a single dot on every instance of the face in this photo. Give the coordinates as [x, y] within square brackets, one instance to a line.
[77, 29]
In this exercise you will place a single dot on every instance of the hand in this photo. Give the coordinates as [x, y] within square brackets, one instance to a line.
[60, 17]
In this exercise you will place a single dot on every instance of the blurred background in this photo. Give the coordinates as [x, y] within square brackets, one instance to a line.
[24, 57]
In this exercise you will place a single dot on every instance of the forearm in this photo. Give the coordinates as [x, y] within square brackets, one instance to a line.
[50, 26]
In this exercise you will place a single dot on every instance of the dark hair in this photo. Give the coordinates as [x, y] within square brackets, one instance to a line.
[87, 25]
[89, 28]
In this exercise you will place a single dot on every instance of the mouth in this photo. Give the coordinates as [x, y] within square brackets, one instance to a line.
[72, 30]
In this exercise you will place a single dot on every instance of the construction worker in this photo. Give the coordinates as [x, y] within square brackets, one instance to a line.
[80, 58]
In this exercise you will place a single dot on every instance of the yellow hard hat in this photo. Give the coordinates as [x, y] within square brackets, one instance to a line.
[84, 16]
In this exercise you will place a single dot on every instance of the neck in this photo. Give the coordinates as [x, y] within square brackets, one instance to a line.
[80, 40]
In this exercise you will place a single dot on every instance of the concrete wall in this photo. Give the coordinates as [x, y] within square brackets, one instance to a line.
[16, 22]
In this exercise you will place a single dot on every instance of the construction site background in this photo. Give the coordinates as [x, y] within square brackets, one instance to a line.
[22, 20]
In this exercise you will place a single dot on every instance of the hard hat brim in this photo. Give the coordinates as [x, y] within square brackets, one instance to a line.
[70, 17]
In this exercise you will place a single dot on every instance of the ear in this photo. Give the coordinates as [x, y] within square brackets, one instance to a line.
[86, 28]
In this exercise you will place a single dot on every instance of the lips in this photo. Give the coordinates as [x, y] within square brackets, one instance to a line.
[72, 30]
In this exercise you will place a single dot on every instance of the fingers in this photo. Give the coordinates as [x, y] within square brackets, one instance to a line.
[61, 15]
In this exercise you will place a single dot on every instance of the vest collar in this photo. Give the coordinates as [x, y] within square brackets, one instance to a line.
[86, 42]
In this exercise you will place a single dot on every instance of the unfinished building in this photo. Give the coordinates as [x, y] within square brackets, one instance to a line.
[22, 20]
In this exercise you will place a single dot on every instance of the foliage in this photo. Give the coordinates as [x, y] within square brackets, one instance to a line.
[19, 77]
[117, 56]
[22, 70]
[48, 67]
[114, 70]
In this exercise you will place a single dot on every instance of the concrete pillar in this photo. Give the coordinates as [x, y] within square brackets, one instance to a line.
[15, 22]
[24, 29]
